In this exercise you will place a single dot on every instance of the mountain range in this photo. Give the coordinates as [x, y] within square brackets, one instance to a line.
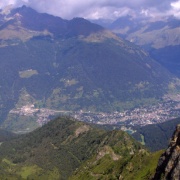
[161, 38]
[49, 65]
[71, 65]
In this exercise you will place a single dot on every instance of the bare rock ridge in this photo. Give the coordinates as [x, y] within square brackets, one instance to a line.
[169, 163]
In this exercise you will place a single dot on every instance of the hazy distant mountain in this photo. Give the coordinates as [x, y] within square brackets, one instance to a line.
[46, 61]
[158, 34]
[160, 38]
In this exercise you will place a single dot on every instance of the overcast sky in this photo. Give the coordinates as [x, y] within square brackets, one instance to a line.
[107, 9]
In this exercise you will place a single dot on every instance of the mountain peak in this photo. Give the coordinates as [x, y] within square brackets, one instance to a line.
[32, 20]
[169, 162]
[81, 26]
[23, 10]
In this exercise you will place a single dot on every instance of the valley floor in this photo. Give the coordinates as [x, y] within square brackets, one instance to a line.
[169, 108]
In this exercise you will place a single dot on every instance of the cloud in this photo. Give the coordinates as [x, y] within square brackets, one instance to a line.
[95, 9]
[176, 8]
[4, 3]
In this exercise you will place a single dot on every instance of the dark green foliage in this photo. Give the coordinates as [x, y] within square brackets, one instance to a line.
[138, 165]
[54, 145]
[61, 146]
[6, 135]
[157, 136]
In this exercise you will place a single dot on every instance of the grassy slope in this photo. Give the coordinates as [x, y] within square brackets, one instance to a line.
[57, 149]
[51, 147]
[139, 166]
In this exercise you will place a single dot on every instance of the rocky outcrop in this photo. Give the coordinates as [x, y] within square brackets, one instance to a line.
[169, 163]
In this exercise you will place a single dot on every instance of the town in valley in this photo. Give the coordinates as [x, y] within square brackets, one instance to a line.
[168, 109]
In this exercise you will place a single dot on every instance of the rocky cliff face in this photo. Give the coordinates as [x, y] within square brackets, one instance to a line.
[169, 162]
